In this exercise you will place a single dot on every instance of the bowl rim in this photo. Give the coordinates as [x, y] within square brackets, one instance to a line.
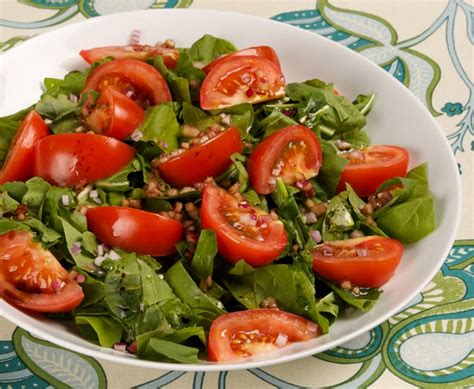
[9, 312]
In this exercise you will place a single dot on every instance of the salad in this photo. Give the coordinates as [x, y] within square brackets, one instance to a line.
[185, 204]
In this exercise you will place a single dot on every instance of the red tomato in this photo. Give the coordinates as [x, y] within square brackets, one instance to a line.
[131, 77]
[369, 168]
[18, 165]
[258, 51]
[115, 115]
[369, 262]
[242, 79]
[135, 230]
[292, 153]
[242, 334]
[32, 278]
[242, 231]
[78, 159]
[139, 52]
[207, 159]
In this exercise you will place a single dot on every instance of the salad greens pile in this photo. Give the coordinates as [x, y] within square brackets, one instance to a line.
[164, 307]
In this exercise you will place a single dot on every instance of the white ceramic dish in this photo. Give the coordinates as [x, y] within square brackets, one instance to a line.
[397, 118]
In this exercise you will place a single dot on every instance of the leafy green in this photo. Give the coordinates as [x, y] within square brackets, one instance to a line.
[55, 108]
[208, 48]
[364, 103]
[160, 126]
[163, 350]
[338, 219]
[363, 301]
[73, 83]
[102, 329]
[192, 114]
[120, 182]
[8, 126]
[274, 122]
[203, 259]
[333, 166]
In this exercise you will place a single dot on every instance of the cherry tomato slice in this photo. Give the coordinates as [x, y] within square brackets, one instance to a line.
[259, 51]
[241, 79]
[369, 168]
[140, 52]
[18, 165]
[292, 153]
[32, 278]
[135, 230]
[238, 335]
[78, 159]
[130, 76]
[368, 262]
[242, 231]
[115, 115]
[207, 159]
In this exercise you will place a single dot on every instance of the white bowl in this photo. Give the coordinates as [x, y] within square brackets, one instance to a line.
[397, 118]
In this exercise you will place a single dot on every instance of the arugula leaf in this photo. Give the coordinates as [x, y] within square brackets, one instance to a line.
[56, 107]
[47, 235]
[37, 188]
[238, 161]
[364, 103]
[8, 127]
[73, 83]
[206, 250]
[7, 203]
[338, 219]
[208, 48]
[7, 225]
[73, 238]
[331, 171]
[163, 350]
[16, 189]
[365, 301]
[241, 116]
[192, 114]
[160, 126]
[274, 122]
[179, 86]
[120, 182]
[359, 139]
[101, 329]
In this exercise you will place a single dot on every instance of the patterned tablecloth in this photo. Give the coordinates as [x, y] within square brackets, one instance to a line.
[425, 44]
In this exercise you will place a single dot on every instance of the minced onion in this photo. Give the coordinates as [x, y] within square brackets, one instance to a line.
[113, 255]
[65, 200]
[362, 252]
[316, 236]
[75, 248]
[120, 346]
[136, 135]
[281, 340]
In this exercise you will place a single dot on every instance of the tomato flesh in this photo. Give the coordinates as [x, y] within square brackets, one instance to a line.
[238, 335]
[241, 79]
[18, 165]
[242, 231]
[115, 115]
[208, 159]
[368, 262]
[259, 51]
[128, 76]
[78, 159]
[139, 52]
[32, 278]
[372, 167]
[135, 230]
[292, 153]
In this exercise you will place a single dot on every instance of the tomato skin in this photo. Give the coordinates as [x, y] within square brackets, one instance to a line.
[139, 52]
[31, 285]
[18, 165]
[262, 161]
[372, 270]
[125, 72]
[224, 85]
[78, 159]
[208, 159]
[270, 322]
[258, 51]
[232, 243]
[381, 163]
[115, 115]
[135, 230]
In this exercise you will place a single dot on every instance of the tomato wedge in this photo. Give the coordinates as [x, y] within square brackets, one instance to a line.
[259, 51]
[238, 335]
[18, 165]
[292, 153]
[140, 52]
[207, 159]
[241, 79]
[78, 159]
[242, 231]
[130, 76]
[369, 168]
[135, 230]
[32, 278]
[368, 262]
[115, 115]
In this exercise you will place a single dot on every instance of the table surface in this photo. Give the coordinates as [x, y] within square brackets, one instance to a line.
[431, 341]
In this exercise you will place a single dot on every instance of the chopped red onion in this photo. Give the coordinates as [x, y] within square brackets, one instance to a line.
[311, 218]
[80, 278]
[343, 145]
[135, 37]
[65, 200]
[113, 255]
[132, 347]
[75, 248]
[120, 346]
[358, 155]
[136, 135]
[164, 144]
[98, 261]
[100, 250]
[57, 284]
[47, 121]
[362, 252]
[73, 98]
[264, 219]
[356, 234]
[327, 251]
[312, 328]
[316, 236]
[281, 340]
[131, 94]
[93, 194]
